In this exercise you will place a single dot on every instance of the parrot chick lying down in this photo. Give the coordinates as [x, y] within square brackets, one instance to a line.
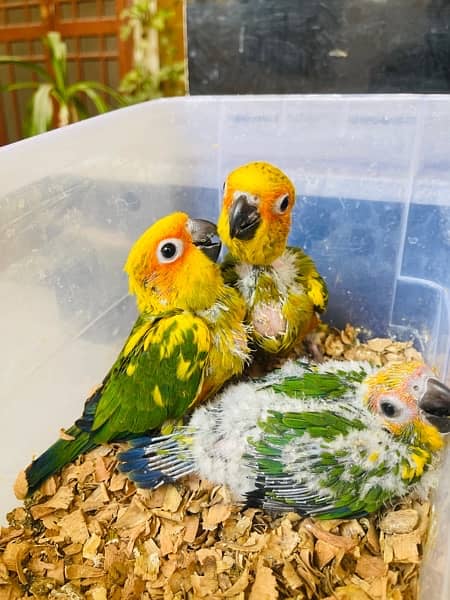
[188, 340]
[333, 441]
[281, 285]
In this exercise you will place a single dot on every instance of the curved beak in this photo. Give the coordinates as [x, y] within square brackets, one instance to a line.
[204, 236]
[244, 219]
[435, 403]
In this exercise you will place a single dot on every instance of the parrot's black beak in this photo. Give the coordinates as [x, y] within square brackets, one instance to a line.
[244, 218]
[435, 403]
[204, 236]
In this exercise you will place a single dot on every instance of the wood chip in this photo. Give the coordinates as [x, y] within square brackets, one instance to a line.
[239, 586]
[291, 576]
[349, 592]
[325, 553]
[21, 486]
[172, 499]
[147, 561]
[265, 585]
[74, 527]
[83, 572]
[97, 593]
[368, 567]
[91, 546]
[330, 538]
[400, 521]
[216, 514]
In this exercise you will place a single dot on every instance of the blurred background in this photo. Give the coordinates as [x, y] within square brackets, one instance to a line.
[63, 60]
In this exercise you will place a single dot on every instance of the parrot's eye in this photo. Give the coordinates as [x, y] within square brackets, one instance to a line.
[281, 204]
[169, 250]
[388, 409]
[395, 409]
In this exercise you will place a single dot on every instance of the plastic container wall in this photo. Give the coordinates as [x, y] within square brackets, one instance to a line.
[373, 209]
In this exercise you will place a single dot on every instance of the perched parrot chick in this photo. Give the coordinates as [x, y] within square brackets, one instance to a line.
[336, 440]
[188, 340]
[281, 285]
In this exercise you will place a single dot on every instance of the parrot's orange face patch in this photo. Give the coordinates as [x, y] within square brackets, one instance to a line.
[159, 249]
[167, 270]
[394, 393]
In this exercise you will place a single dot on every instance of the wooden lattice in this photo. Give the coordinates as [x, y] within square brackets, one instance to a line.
[89, 27]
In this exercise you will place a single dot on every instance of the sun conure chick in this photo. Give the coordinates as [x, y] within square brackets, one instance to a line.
[281, 285]
[336, 440]
[188, 340]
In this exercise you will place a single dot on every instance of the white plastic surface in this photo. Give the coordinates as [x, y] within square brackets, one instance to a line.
[373, 181]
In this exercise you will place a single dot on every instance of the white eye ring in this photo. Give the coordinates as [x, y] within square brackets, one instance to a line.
[393, 409]
[281, 204]
[169, 250]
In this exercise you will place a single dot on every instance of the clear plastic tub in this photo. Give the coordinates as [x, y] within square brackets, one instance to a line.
[373, 181]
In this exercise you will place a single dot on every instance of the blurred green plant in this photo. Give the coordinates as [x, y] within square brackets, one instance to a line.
[56, 102]
[142, 82]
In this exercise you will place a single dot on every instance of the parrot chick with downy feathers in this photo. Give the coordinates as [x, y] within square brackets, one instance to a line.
[188, 340]
[282, 288]
[337, 440]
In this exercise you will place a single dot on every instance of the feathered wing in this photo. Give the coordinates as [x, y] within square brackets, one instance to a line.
[303, 380]
[310, 278]
[157, 376]
[327, 464]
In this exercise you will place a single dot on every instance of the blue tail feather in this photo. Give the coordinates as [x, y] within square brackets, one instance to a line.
[149, 479]
[152, 461]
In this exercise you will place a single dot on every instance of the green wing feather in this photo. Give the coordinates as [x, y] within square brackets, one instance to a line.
[157, 376]
[320, 477]
[314, 384]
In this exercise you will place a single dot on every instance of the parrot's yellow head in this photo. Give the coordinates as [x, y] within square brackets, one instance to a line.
[172, 265]
[256, 212]
[411, 401]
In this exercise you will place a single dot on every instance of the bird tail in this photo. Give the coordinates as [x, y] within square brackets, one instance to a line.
[57, 456]
[153, 461]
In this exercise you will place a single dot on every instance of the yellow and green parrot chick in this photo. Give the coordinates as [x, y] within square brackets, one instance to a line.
[188, 340]
[336, 440]
[281, 285]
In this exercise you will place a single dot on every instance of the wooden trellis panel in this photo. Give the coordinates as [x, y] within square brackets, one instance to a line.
[89, 27]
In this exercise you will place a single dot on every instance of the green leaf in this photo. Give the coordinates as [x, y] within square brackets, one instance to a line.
[41, 109]
[80, 108]
[27, 64]
[89, 87]
[100, 104]
[20, 86]
[58, 56]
